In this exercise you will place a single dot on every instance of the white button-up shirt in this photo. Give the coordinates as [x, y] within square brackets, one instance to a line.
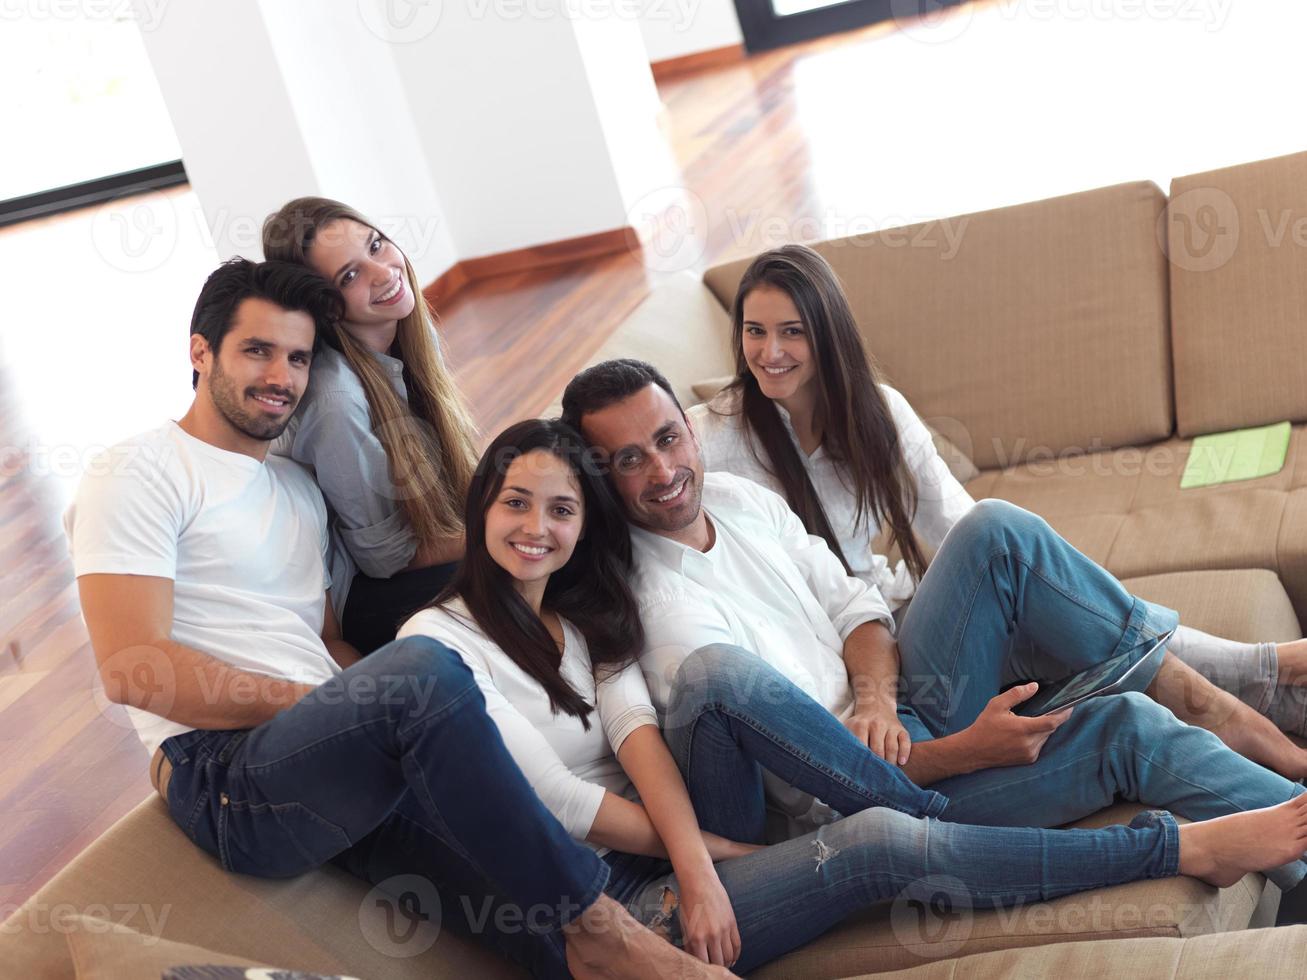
[941, 500]
[765, 585]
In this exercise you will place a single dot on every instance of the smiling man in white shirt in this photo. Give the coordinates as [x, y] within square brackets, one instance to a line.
[276, 749]
[723, 562]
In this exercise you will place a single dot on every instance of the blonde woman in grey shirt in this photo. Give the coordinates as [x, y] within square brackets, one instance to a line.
[808, 417]
[382, 423]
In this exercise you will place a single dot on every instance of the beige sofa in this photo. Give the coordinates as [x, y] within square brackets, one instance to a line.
[143, 898]
[1071, 348]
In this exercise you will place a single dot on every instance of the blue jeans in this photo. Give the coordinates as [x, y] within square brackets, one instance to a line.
[733, 715]
[788, 894]
[1005, 598]
[393, 768]
[725, 700]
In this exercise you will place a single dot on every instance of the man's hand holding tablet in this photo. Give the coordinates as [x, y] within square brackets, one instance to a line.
[1110, 677]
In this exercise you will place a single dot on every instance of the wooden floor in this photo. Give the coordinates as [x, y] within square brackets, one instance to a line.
[871, 129]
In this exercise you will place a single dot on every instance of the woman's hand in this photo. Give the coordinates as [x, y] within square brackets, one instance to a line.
[876, 723]
[708, 928]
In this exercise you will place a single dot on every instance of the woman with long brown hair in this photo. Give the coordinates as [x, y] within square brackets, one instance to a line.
[382, 423]
[809, 416]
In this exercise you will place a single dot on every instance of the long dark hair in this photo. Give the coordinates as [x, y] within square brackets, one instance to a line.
[590, 591]
[856, 425]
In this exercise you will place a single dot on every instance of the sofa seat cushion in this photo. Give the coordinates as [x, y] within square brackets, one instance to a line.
[894, 936]
[1245, 604]
[155, 881]
[1125, 509]
[1269, 954]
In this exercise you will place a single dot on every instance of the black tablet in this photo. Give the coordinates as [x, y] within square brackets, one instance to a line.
[1109, 677]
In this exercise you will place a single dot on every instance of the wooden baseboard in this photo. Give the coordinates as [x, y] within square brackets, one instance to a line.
[445, 285]
[534, 257]
[713, 58]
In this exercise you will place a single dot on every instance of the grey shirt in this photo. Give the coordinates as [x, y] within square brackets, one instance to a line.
[332, 432]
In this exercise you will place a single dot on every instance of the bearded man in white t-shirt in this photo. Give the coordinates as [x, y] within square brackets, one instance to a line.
[201, 564]
[741, 605]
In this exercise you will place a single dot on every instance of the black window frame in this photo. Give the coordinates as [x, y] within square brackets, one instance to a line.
[88, 192]
[763, 29]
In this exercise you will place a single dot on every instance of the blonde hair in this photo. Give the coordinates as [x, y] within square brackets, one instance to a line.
[430, 442]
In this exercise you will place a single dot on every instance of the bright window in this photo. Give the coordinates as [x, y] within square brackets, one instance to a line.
[80, 99]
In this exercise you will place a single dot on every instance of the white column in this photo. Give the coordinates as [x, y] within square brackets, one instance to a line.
[353, 114]
[464, 127]
[507, 97]
[275, 99]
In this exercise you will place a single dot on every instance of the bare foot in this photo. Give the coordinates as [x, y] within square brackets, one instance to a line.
[606, 942]
[1222, 850]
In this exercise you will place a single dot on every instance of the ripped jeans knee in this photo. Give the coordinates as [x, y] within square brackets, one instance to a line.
[658, 909]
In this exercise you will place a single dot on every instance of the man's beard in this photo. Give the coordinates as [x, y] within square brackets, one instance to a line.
[662, 521]
[230, 404]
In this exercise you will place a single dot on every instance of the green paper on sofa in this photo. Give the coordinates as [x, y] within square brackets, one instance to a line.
[1244, 454]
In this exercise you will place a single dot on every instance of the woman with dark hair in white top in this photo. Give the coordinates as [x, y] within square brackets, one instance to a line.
[809, 416]
[540, 611]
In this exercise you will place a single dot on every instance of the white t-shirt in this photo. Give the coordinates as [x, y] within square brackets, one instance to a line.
[941, 500]
[243, 541]
[569, 768]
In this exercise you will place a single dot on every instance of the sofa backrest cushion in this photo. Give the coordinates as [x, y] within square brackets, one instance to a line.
[1040, 328]
[1238, 249]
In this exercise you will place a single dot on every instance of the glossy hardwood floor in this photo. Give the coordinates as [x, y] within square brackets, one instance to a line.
[871, 129]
